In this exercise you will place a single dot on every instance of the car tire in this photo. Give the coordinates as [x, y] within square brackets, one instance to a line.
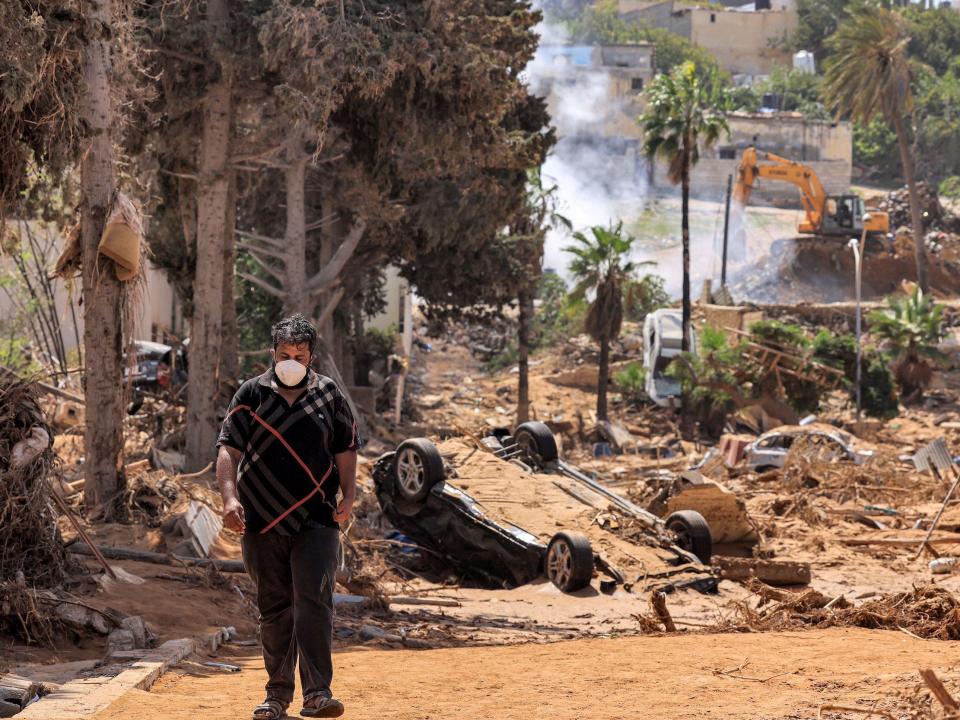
[417, 467]
[537, 442]
[693, 533]
[569, 561]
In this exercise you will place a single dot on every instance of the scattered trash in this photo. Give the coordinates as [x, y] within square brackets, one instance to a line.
[943, 565]
[222, 666]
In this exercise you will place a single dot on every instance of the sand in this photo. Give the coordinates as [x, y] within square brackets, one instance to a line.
[781, 675]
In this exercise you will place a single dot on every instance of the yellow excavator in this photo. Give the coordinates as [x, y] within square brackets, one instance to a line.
[830, 215]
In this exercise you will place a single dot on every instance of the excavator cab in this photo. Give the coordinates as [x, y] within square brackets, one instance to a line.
[843, 215]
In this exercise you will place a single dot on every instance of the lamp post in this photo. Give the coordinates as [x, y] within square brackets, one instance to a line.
[857, 248]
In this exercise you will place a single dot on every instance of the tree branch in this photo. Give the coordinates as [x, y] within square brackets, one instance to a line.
[262, 284]
[273, 272]
[276, 242]
[325, 278]
[268, 251]
[325, 221]
[330, 307]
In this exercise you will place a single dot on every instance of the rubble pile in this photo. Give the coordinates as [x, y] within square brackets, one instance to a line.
[897, 206]
[929, 612]
[30, 545]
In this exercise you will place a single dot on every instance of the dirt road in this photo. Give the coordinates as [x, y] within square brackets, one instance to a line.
[736, 677]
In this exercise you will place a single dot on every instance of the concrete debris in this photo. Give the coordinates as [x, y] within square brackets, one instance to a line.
[195, 531]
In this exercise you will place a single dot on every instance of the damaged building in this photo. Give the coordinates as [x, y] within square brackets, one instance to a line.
[761, 30]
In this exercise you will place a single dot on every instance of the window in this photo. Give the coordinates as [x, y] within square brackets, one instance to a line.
[636, 83]
[728, 153]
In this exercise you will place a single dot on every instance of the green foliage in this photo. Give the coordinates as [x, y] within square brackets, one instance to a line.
[934, 37]
[803, 395]
[837, 351]
[643, 296]
[868, 72]
[709, 379]
[507, 357]
[371, 350]
[681, 115]
[910, 324]
[674, 50]
[950, 187]
[937, 121]
[601, 23]
[782, 336]
[817, 20]
[257, 311]
[875, 146]
[798, 91]
[879, 393]
[878, 390]
[557, 316]
[911, 328]
[601, 266]
[630, 380]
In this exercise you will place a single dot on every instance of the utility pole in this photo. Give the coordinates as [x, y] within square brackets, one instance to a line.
[726, 232]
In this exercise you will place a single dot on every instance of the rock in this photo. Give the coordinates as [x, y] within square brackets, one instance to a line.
[120, 640]
[135, 625]
[83, 618]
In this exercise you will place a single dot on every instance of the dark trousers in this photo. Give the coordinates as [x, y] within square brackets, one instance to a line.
[295, 577]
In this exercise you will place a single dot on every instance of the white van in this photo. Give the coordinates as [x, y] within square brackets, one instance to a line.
[662, 335]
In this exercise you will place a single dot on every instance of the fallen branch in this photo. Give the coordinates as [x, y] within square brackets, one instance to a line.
[81, 548]
[658, 600]
[849, 708]
[939, 691]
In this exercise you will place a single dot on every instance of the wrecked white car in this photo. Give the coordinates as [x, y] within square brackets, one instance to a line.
[825, 442]
[662, 342]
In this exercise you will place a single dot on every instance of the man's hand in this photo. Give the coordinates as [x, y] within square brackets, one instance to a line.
[233, 518]
[344, 509]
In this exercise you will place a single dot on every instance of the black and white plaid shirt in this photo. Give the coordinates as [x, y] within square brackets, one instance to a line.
[287, 475]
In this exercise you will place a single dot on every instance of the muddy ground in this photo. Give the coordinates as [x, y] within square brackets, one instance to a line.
[735, 677]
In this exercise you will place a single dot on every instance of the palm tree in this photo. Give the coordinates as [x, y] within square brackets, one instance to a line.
[912, 327]
[681, 115]
[869, 74]
[601, 268]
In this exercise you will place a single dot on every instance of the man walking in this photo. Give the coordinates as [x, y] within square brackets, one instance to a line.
[293, 439]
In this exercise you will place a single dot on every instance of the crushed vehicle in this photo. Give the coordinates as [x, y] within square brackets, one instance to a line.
[506, 507]
[158, 366]
[825, 442]
[662, 342]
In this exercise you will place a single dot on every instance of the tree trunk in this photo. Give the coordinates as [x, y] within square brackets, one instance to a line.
[603, 377]
[102, 332]
[213, 189]
[685, 234]
[916, 214]
[525, 299]
[297, 297]
[229, 360]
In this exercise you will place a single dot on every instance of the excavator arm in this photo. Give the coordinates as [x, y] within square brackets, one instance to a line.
[812, 195]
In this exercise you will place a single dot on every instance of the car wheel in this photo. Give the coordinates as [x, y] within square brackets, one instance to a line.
[693, 533]
[537, 442]
[417, 467]
[569, 561]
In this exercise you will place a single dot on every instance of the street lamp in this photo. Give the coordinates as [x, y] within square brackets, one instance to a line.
[857, 248]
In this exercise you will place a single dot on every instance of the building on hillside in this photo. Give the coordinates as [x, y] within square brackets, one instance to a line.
[746, 40]
[593, 89]
[825, 146]
[595, 94]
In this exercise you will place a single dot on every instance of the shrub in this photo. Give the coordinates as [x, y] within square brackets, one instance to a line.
[631, 381]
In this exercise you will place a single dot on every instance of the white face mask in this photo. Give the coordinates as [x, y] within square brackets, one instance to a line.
[290, 372]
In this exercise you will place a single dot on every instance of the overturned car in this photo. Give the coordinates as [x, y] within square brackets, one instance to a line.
[508, 508]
